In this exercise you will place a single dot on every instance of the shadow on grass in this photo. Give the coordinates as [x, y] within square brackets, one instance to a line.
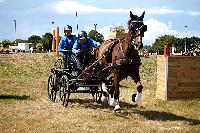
[91, 103]
[128, 109]
[15, 97]
[88, 103]
[165, 116]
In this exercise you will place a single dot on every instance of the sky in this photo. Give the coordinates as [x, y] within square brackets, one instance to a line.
[34, 17]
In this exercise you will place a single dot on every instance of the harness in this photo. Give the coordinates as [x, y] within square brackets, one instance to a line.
[120, 52]
[96, 68]
[108, 52]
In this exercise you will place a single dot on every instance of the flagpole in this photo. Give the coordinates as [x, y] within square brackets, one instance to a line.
[15, 30]
[77, 21]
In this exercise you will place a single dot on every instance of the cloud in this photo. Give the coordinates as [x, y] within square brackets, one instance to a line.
[69, 6]
[2, 1]
[102, 30]
[162, 10]
[188, 34]
[105, 31]
[156, 29]
[88, 28]
[37, 33]
[193, 13]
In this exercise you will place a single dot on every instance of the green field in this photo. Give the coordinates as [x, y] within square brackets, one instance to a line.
[24, 105]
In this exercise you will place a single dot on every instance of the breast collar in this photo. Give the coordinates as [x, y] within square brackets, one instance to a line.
[124, 60]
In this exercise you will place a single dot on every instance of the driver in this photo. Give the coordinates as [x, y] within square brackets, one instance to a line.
[82, 49]
[66, 44]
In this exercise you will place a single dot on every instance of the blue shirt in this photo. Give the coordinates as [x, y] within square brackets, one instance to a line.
[88, 44]
[66, 43]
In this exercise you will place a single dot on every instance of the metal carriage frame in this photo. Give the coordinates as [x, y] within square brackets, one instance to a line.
[68, 81]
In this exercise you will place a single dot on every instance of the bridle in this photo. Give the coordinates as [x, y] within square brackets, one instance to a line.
[136, 26]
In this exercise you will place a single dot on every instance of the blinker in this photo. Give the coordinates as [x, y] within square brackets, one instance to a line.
[136, 24]
[143, 28]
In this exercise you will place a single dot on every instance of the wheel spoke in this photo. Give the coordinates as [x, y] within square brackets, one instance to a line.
[51, 88]
[64, 91]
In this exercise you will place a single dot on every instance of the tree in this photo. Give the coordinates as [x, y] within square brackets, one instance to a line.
[96, 36]
[149, 48]
[43, 43]
[158, 45]
[180, 45]
[120, 29]
[47, 41]
[34, 39]
[192, 44]
[6, 41]
[21, 41]
[39, 46]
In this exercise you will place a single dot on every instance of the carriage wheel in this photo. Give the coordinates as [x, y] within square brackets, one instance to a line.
[65, 92]
[52, 87]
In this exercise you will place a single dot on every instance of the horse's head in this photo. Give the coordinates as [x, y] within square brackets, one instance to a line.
[137, 28]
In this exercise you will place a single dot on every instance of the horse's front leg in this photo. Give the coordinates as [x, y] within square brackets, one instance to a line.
[115, 100]
[137, 97]
[104, 98]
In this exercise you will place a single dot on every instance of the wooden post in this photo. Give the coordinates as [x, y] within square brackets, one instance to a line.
[53, 41]
[166, 50]
[57, 40]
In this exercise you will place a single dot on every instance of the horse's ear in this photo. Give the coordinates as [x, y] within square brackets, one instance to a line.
[133, 17]
[142, 16]
[131, 14]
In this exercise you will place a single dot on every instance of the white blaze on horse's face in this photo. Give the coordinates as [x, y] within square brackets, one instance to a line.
[137, 36]
[138, 28]
[138, 40]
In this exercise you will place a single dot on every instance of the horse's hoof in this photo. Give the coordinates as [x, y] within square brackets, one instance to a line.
[133, 97]
[138, 97]
[117, 107]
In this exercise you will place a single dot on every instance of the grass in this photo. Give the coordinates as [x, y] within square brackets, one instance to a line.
[25, 107]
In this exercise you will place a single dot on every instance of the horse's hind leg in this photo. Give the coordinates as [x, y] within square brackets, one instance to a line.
[137, 97]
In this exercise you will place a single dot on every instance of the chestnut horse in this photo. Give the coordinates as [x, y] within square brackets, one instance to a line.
[123, 57]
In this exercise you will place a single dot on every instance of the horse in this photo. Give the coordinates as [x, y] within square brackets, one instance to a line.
[123, 57]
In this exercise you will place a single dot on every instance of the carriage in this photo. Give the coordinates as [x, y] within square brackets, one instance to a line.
[66, 81]
[117, 56]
